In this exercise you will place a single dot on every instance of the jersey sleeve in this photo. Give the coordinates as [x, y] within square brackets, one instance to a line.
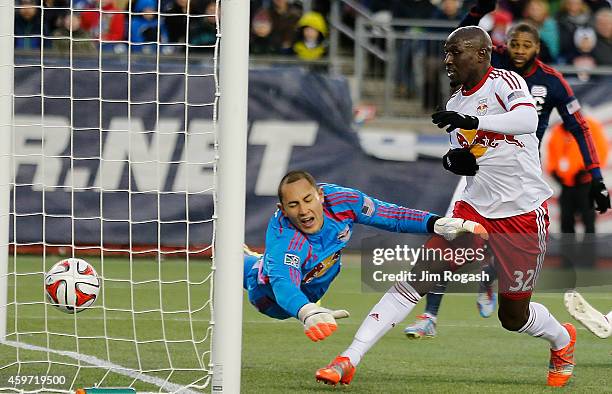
[285, 254]
[363, 209]
[512, 94]
[512, 91]
[569, 109]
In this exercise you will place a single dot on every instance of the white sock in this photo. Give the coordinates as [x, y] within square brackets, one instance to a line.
[609, 317]
[392, 308]
[543, 325]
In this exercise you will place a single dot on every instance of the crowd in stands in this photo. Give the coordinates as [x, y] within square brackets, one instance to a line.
[277, 26]
[577, 32]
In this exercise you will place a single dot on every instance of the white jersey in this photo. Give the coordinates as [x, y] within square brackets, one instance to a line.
[509, 180]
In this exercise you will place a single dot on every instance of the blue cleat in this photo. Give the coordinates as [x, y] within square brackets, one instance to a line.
[423, 327]
[486, 302]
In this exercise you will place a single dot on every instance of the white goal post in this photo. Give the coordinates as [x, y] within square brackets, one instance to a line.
[233, 78]
[164, 321]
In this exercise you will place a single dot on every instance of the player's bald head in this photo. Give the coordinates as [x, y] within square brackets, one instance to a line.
[471, 37]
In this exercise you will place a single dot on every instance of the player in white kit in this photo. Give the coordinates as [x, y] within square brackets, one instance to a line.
[492, 122]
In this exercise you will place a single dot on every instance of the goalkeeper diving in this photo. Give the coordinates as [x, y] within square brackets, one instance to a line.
[304, 242]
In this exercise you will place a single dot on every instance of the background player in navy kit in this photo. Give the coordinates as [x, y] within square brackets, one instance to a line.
[549, 90]
[304, 243]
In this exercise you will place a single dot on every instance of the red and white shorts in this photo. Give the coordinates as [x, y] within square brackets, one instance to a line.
[517, 242]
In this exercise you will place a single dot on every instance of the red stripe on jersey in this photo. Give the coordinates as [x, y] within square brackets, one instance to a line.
[332, 204]
[401, 210]
[298, 241]
[588, 138]
[499, 100]
[309, 256]
[301, 244]
[519, 104]
[348, 214]
[292, 240]
[401, 217]
[515, 79]
[334, 195]
[549, 70]
[508, 81]
[295, 276]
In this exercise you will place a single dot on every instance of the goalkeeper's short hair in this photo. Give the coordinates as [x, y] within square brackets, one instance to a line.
[294, 176]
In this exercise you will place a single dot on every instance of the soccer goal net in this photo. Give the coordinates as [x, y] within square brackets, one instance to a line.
[110, 114]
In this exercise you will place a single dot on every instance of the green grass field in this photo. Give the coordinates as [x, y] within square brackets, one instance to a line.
[470, 354]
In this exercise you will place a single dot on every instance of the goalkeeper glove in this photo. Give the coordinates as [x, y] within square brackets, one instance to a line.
[451, 228]
[454, 120]
[319, 322]
[460, 161]
[599, 196]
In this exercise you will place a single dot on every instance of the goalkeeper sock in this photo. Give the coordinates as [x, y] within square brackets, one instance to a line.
[392, 308]
[542, 324]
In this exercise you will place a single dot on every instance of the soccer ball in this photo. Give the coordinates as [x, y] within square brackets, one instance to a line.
[72, 285]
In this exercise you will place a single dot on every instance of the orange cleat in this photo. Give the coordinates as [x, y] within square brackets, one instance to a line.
[340, 370]
[562, 361]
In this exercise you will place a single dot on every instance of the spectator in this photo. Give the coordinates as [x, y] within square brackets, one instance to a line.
[145, 26]
[112, 27]
[596, 5]
[27, 23]
[54, 12]
[584, 41]
[409, 52]
[176, 24]
[206, 33]
[284, 21]
[310, 43]
[564, 162]
[515, 7]
[261, 27]
[74, 37]
[435, 90]
[413, 9]
[202, 29]
[573, 14]
[497, 24]
[603, 27]
[537, 13]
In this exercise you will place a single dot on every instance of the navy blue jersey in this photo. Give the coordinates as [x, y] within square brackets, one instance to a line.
[550, 90]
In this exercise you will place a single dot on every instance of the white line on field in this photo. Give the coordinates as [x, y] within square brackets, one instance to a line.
[105, 364]
[452, 323]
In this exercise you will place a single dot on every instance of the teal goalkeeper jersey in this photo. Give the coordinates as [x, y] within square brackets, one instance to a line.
[298, 268]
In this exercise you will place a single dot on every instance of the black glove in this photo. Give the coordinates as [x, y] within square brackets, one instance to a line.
[599, 196]
[483, 7]
[460, 161]
[454, 120]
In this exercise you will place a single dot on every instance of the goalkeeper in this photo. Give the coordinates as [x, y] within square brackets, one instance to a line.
[304, 243]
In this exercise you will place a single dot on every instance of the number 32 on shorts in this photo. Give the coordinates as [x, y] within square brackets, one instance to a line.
[523, 280]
